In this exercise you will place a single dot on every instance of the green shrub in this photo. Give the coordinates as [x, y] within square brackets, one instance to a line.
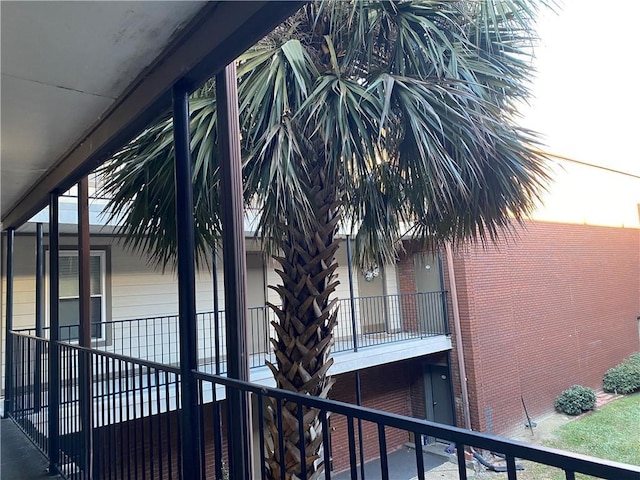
[623, 378]
[635, 358]
[576, 400]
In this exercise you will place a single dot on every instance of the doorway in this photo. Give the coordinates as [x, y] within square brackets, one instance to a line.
[437, 395]
[258, 334]
[429, 301]
[372, 303]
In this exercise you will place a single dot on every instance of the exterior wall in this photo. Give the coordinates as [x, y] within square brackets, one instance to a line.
[389, 388]
[555, 306]
[136, 289]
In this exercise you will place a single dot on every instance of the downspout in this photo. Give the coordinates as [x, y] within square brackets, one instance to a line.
[458, 333]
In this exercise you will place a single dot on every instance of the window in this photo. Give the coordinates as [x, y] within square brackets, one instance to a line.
[70, 295]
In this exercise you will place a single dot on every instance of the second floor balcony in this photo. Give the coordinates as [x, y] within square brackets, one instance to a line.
[370, 331]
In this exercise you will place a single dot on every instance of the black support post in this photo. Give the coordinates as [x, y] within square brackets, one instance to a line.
[360, 439]
[54, 335]
[216, 308]
[217, 415]
[352, 300]
[190, 435]
[39, 315]
[8, 360]
[84, 360]
[234, 258]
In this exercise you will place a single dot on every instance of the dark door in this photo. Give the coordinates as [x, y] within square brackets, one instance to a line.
[439, 404]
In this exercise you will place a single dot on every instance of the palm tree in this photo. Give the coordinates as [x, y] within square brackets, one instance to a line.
[379, 115]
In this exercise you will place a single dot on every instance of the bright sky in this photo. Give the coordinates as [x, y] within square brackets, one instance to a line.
[587, 99]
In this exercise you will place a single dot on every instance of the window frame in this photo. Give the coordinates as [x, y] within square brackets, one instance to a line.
[103, 254]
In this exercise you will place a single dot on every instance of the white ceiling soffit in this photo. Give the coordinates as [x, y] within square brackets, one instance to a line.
[63, 65]
[81, 78]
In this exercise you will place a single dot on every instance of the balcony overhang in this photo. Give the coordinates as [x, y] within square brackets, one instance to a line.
[80, 79]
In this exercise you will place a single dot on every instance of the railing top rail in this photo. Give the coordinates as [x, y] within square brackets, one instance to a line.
[550, 456]
[19, 333]
[116, 356]
[221, 311]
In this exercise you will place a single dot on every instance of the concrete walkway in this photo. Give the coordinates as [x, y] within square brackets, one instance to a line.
[402, 466]
[19, 458]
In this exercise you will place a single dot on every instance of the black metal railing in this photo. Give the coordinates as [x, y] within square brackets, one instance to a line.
[117, 415]
[118, 418]
[378, 320]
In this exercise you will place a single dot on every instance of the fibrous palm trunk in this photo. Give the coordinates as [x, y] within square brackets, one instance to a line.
[304, 334]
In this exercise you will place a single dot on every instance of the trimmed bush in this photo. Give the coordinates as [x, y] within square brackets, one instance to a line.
[623, 378]
[576, 400]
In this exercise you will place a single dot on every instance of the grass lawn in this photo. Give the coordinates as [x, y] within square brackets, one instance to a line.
[612, 432]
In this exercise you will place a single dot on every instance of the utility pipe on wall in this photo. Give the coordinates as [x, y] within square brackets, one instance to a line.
[458, 332]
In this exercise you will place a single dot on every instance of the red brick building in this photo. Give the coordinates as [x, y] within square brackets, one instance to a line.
[552, 306]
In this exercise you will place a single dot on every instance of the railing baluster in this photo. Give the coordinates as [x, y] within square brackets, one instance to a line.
[511, 468]
[569, 475]
[352, 448]
[303, 455]
[161, 467]
[280, 440]
[326, 438]
[382, 445]
[217, 432]
[200, 407]
[170, 443]
[111, 409]
[417, 440]
[462, 461]
[121, 426]
[263, 467]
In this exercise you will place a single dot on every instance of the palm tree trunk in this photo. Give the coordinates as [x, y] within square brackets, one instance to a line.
[304, 333]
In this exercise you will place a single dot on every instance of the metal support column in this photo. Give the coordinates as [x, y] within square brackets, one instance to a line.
[84, 259]
[352, 300]
[84, 360]
[235, 268]
[39, 316]
[217, 411]
[8, 360]
[190, 437]
[54, 335]
[216, 308]
[360, 439]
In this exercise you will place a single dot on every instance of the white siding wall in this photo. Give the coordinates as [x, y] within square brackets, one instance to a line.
[140, 290]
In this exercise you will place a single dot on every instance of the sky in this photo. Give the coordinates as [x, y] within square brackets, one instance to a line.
[585, 106]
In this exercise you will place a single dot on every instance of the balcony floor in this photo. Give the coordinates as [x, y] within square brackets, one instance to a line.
[19, 458]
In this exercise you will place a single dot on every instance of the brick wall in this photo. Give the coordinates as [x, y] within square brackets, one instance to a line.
[387, 387]
[149, 447]
[553, 307]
